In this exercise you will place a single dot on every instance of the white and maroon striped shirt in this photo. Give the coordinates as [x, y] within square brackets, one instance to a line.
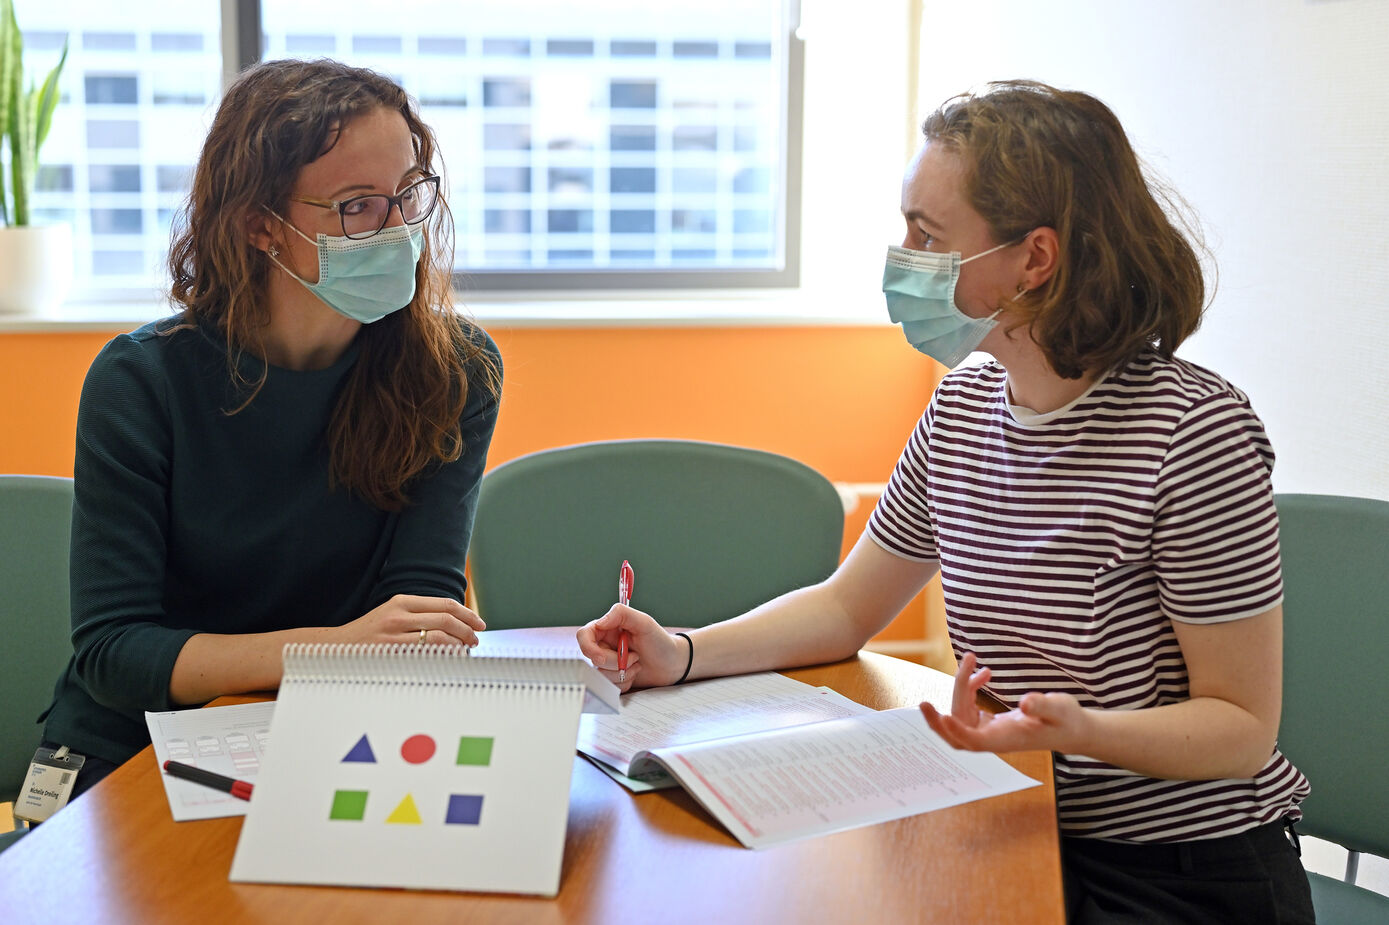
[1068, 542]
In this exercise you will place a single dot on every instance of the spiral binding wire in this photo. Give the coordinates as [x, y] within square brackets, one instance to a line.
[398, 664]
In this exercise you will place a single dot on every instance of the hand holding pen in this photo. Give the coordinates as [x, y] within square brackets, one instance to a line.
[626, 580]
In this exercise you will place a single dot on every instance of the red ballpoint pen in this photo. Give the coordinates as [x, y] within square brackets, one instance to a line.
[626, 579]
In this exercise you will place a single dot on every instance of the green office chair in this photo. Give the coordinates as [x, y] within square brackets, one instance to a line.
[1335, 725]
[35, 524]
[710, 530]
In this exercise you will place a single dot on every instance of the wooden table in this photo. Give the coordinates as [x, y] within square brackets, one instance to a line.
[115, 855]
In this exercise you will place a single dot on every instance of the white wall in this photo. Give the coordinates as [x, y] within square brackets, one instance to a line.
[1272, 118]
[855, 147]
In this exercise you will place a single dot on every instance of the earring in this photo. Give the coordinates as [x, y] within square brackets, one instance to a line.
[1021, 288]
[275, 252]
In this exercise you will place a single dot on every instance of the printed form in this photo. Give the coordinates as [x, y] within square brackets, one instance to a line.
[787, 784]
[697, 712]
[226, 740]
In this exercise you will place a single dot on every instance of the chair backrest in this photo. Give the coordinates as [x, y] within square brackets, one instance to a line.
[1335, 725]
[710, 530]
[35, 622]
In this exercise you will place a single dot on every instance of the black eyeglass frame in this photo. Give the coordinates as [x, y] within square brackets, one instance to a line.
[393, 203]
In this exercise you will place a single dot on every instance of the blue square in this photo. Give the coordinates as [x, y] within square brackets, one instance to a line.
[464, 809]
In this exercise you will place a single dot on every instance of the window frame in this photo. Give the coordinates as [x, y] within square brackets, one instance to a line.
[242, 37]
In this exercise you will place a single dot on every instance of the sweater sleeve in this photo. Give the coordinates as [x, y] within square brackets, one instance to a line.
[124, 652]
[428, 553]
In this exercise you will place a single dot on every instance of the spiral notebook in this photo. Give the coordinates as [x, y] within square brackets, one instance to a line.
[419, 767]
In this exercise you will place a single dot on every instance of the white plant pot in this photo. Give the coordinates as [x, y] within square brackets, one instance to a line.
[35, 268]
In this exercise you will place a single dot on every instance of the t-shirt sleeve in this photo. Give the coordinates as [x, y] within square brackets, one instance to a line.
[901, 521]
[1215, 528]
[430, 546]
[123, 654]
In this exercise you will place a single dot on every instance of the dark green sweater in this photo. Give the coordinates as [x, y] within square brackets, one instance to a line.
[188, 520]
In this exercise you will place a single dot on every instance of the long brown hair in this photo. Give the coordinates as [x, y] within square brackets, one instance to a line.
[399, 410]
[1129, 274]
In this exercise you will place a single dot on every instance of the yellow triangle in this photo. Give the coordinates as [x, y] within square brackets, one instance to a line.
[405, 813]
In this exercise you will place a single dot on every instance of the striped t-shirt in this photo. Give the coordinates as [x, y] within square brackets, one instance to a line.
[1069, 541]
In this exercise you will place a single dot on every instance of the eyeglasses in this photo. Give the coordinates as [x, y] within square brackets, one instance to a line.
[364, 216]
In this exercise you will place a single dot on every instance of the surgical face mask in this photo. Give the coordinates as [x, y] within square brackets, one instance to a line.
[365, 280]
[920, 290]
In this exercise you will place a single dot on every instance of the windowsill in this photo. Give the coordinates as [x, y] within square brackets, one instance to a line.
[526, 310]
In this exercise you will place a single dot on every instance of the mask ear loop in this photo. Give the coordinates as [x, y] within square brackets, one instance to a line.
[1022, 291]
[273, 252]
[291, 226]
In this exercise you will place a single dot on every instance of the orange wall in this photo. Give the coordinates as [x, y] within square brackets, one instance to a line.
[841, 399]
[40, 381]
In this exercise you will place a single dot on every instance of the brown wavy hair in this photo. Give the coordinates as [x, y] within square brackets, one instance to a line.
[1129, 274]
[399, 411]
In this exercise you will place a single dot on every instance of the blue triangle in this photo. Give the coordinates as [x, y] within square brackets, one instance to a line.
[361, 752]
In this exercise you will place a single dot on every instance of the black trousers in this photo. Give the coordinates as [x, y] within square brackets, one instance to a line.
[1254, 877]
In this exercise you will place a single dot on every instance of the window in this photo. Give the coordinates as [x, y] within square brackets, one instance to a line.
[581, 47]
[632, 94]
[110, 89]
[172, 179]
[54, 178]
[508, 91]
[618, 143]
[507, 180]
[136, 95]
[632, 179]
[632, 221]
[117, 221]
[114, 178]
[507, 221]
[632, 138]
[176, 41]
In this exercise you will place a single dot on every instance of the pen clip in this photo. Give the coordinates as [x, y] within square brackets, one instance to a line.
[626, 578]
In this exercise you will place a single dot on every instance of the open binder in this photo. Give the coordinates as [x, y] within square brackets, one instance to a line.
[420, 767]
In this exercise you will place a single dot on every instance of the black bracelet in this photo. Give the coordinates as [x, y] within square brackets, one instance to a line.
[690, 661]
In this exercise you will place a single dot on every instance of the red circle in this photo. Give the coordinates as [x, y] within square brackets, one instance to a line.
[417, 749]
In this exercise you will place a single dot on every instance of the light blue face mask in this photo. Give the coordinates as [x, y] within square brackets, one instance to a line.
[365, 280]
[920, 290]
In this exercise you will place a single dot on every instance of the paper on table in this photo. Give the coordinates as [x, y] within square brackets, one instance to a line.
[227, 740]
[786, 784]
[705, 710]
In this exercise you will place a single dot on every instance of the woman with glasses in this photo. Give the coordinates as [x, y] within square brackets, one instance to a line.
[1099, 510]
[294, 456]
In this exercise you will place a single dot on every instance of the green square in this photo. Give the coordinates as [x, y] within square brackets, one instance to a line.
[350, 805]
[475, 750]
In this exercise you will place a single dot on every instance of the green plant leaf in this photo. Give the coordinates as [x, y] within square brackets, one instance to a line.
[11, 50]
[48, 100]
[25, 116]
[23, 155]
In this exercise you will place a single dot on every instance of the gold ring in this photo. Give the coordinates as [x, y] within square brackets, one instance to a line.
[422, 634]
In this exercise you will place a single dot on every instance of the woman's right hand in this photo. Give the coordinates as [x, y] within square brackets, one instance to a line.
[400, 619]
[654, 656]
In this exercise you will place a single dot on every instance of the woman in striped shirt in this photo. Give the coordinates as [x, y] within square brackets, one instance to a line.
[1100, 512]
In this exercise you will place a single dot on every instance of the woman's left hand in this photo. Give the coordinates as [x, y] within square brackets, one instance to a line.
[1050, 722]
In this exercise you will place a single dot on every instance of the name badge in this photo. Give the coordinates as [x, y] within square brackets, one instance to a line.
[49, 783]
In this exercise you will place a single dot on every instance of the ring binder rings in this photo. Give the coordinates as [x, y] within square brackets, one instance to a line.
[419, 766]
